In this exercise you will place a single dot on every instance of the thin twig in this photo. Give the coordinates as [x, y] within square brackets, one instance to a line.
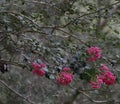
[71, 35]
[72, 21]
[98, 28]
[63, 26]
[12, 63]
[21, 96]
[26, 17]
[44, 3]
[95, 101]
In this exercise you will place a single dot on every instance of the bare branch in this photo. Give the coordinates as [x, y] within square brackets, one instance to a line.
[21, 96]
[44, 3]
[72, 21]
[13, 63]
[27, 18]
[71, 35]
[95, 101]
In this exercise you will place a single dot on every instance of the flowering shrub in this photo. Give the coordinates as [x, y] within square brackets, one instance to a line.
[54, 30]
[96, 77]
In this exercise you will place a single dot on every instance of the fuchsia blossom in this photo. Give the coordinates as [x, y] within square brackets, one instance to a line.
[94, 59]
[43, 65]
[108, 78]
[37, 69]
[66, 69]
[105, 77]
[36, 66]
[98, 55]
[65, 77]
[104, 67]
[95, 52]
[39, 72]
[96, 84]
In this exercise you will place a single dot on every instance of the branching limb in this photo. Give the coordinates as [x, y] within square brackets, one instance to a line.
[63, 26]
[18, 94]
[95, 101]
[71, 35]
[27, 18]
[44, 3]
[78, 91]
[12, 63]
[87, 14]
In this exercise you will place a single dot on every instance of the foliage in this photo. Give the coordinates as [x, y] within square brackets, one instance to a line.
[59, 33]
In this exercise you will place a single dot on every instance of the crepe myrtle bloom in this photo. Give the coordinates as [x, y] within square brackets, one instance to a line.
[38, 69]
[95, 53]
[65, 77]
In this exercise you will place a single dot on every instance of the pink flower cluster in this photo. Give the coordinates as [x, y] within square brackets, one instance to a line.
[66, 69]
[95, 53]
[106, 77]
[97, 84]
[104, 67]
[38, 69]
[65, 77]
